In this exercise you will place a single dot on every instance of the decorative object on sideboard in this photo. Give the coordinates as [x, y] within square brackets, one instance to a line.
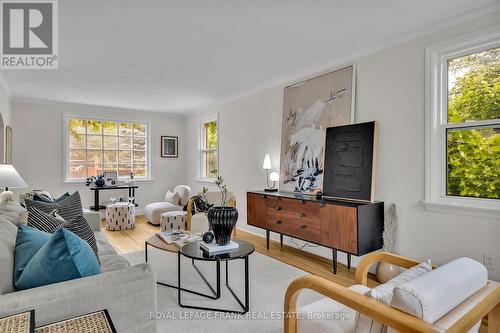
[208, 237]
[222, 219]
[387, 271]
[350, 153]
[309, 107]
[9, 177]
[267, 166]
[169, 146]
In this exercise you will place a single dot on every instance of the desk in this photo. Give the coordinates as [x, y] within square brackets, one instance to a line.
[96, 189]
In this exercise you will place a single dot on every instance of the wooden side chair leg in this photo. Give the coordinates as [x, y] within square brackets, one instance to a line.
[494, 320]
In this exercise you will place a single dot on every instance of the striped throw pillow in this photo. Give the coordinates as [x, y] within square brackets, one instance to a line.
[383, 293]
[69, 207]
[49, 223]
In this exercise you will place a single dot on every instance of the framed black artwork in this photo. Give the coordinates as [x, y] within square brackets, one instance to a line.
[169, 146]
[350, 153]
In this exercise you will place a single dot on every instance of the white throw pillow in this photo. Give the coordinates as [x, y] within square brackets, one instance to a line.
[172, 197]
[383, 294]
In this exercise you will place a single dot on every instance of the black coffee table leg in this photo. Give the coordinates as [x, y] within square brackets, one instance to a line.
[245, 306]
[179, 288]
[217, 272]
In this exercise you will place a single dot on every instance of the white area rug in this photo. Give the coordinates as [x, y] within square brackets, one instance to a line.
[269, 279]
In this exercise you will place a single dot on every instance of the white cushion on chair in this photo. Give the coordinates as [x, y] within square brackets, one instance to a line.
[199, 223]
[184, 194]
[308, 323]
[433, 295]
[172, 197]
[153, 210]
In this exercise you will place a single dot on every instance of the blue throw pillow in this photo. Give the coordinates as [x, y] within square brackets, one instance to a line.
[28, 241]
[63, 257]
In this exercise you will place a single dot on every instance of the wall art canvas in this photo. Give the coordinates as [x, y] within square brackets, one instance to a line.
[309, 108]
[350, 153]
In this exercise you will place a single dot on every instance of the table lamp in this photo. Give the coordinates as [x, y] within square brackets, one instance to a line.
[9, 177]
[267, 166]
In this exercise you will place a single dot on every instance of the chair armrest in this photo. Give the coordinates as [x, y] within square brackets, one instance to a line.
[364, 265]
[392, 317]
[93, 218]
[129, 295]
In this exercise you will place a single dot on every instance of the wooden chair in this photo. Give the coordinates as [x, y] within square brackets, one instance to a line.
[484, 302]
[213, 197]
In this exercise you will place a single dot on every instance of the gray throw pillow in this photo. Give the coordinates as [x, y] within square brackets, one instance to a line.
[68, 208]
[50, 223]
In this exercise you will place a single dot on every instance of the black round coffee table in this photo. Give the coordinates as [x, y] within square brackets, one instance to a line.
[194, 252]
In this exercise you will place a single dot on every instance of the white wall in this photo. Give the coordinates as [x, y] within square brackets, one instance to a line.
[38, 149]
[4, 103]
[390, 89]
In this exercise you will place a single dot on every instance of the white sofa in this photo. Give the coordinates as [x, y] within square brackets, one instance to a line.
[153, 211]
[128, 293]
[455, 297]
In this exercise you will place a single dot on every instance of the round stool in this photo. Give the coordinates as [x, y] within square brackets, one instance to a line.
[173, 221]
[120, 216]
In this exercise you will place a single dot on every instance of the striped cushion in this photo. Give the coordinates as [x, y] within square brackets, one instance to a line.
[48, 223]
[69, 207]
[383, 293]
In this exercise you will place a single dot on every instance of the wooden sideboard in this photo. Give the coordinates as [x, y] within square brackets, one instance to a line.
[350, 227]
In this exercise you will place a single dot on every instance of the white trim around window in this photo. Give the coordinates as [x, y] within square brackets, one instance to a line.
[436, 124]
[66, 119]
[202, 148]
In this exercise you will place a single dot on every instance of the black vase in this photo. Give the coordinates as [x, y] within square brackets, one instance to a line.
[99, 182]
[222, 221]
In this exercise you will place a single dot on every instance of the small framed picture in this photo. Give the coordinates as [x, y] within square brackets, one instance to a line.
[111, 177]
[169, 146]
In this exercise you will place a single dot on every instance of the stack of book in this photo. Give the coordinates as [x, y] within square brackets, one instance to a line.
[214, 248]
[177, 237]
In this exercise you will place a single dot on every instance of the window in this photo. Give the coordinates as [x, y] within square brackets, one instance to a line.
[97, 146]
[463, 124]
[209, 150]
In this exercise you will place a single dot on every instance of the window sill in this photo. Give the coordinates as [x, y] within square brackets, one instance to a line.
[206, 180]
[491, 210]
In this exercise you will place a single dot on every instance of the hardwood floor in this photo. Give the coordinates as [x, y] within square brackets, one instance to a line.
[133, 240]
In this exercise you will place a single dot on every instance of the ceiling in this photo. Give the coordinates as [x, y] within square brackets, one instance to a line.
[184, 55]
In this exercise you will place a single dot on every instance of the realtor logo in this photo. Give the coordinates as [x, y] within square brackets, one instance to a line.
[29, 34]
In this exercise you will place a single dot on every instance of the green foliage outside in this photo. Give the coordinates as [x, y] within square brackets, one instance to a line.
[474, 153]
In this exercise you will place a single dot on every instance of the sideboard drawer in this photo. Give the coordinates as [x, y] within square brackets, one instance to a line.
[304, 230]
[307, 209]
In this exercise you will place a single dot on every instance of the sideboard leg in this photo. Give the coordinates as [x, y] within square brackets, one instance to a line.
[281, 240]
[348, 261]
[334, 255]
[267, 238]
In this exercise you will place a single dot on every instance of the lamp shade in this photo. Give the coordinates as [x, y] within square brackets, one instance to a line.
[267, 162]
[9, 177]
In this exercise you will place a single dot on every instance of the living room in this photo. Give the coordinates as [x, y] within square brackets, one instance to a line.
[186, 106]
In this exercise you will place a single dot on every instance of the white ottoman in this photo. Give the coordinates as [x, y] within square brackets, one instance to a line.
[173, 221]
[120, 216]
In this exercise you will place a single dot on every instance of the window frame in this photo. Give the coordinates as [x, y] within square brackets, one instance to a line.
[436, 124]
[203, 150]
[67, 117]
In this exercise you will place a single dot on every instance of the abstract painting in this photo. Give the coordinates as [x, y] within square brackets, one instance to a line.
[309, 107]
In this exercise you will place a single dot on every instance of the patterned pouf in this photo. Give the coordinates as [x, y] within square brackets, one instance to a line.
[120, 216]
[173, 221]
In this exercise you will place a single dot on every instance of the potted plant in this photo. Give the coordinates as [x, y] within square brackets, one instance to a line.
[387, 271]
[222, 219]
